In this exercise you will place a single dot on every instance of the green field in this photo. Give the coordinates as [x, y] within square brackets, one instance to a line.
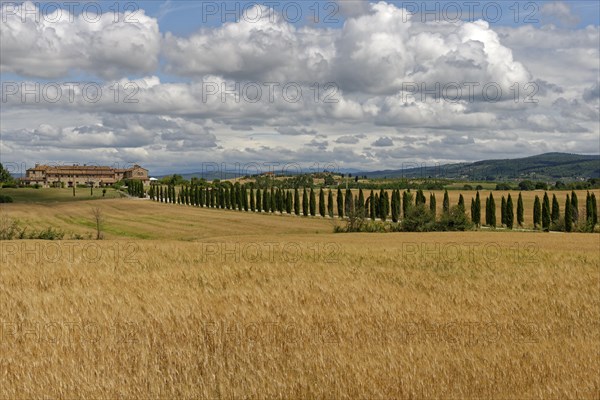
[55, 195]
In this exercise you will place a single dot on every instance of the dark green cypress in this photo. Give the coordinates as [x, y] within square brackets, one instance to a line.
[289, 203]
[349, 202]
[555, 214]
[477, 209]
[575, 205]
[245, 198]
[321, 203]
[340, 203]
[446, 203]
[492, 211]
[406, 202]
[568, 215]
[461, 202]
[384, 205]
[510, 212]
[588, 208]
[252, 203]
[594, 210]
[266, 200]
[520, 211]
[503, 211]
[304, 203]
[228, 196]
[258, 200]
[395, 207]
[360, 206]
[376, 205]
[273, 205]
[473, 212]
[371, 201]
[537, 212]
[296, 202]
[432, 204]
[546, 213]
[330, 204]
[313, 203]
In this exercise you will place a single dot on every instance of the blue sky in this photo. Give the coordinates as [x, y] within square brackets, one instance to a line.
[381, 58]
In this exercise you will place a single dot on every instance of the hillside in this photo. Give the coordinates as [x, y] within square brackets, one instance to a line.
[549, 166]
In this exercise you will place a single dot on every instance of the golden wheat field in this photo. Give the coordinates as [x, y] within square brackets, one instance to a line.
[180, 302]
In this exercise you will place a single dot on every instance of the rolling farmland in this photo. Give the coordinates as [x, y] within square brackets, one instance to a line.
[188, 302]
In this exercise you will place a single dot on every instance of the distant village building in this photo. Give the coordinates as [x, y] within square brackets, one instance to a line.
[69, 175]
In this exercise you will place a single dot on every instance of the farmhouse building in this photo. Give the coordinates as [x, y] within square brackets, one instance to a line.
[69, 175]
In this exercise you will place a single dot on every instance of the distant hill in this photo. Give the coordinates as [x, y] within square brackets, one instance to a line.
[549, 166]
[544, 167]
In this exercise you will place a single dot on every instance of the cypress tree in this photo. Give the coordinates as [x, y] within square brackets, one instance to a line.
[277, 199]
[221, 197]
[520, 210]
[313, 203]
[575, 205]
[510, 212]
[432, 204]
[360, 206]
[289, 202]
[473, 212]
[273, 205]
[245, 198]
[537, 212]
[492, 211]
[258, 200]
[395, 207]
[322, 203]
[349, 206]
[340, 203]
[330, 204]
[588, 208]
[384, 205]
[304, 203]
[568, 215]
[477, 210]
[372, 206]
[419, 198]
[594, 211]
[503, 211]
[266, 200]
[446, 203]
[405, 203]
[228, 198]
[546, 213]
[555, 214]
[461, 202]
[380, 205]
[252, 203]
[398, 204]
[376, 206]
[296, 202]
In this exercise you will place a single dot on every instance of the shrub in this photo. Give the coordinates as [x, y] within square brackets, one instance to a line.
[455, 220]
[5, 199]
[418, 219]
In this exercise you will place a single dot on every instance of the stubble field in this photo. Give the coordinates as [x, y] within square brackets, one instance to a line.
[181, 302]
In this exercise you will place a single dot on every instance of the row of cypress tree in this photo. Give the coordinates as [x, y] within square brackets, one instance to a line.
[379, 205]
[549, 217]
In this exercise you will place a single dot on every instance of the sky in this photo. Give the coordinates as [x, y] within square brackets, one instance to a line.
[184, 86]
